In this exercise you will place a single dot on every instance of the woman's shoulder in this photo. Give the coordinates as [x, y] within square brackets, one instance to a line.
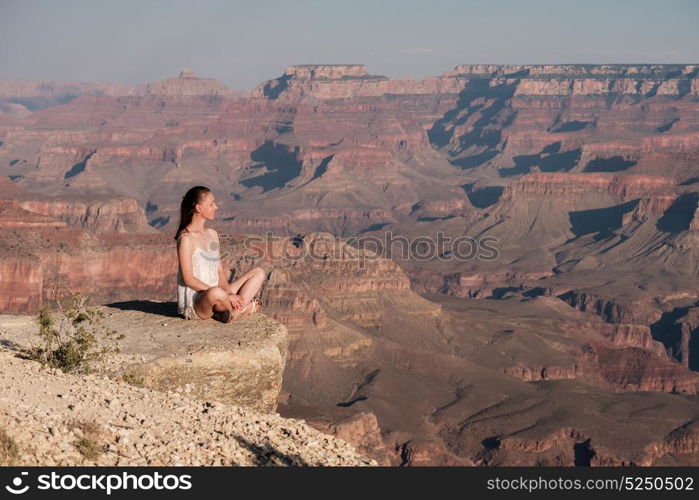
[184, 236]
[184, 240]
[212, 232]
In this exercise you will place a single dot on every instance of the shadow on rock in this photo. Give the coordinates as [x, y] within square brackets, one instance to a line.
[168, 309]
[266, 454]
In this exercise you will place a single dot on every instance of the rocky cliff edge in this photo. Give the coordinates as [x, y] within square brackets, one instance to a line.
[200, 393]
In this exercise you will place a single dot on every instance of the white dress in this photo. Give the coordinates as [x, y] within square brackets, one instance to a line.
[204, 268]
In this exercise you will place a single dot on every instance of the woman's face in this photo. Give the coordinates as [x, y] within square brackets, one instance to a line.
[208, 207]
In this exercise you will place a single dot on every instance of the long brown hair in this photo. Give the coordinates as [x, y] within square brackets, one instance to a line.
[188, 206]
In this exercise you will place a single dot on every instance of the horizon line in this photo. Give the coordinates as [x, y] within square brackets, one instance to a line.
[351, 64]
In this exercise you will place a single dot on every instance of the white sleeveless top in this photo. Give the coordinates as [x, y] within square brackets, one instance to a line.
[204, 268]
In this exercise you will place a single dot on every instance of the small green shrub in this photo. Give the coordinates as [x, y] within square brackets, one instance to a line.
[75, 338]
[88, 445]
[133, 379]
[88, 448]
[9, 451]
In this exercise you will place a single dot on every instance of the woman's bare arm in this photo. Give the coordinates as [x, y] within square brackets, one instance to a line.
[222, 278]
[185, 250]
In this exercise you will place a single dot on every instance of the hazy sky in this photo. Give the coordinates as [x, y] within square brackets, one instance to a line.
[243, 43]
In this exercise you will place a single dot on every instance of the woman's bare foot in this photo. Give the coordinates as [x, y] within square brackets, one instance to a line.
[250, 308]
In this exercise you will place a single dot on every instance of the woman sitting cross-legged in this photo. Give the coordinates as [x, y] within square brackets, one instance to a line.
[203, 291]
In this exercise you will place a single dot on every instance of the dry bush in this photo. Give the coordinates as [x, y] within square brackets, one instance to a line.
[74, 338]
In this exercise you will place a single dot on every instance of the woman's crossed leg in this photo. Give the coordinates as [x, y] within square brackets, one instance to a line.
[216, 299]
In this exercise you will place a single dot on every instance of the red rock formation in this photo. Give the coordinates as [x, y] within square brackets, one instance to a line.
[538, 373]
[572, 187]
[189, 84]
[649, 206]
[341, 81]
[22, 284]
[694, 225]
[611, 310]
[14, 109]
[102, 216]
[362, 431]
[571, 79]
[682, 440]
[287, 303]
[15, 216]
[633, 336]
[635, 369]
[42, 261]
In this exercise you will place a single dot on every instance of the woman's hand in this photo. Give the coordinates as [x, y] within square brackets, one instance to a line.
[236, 300]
